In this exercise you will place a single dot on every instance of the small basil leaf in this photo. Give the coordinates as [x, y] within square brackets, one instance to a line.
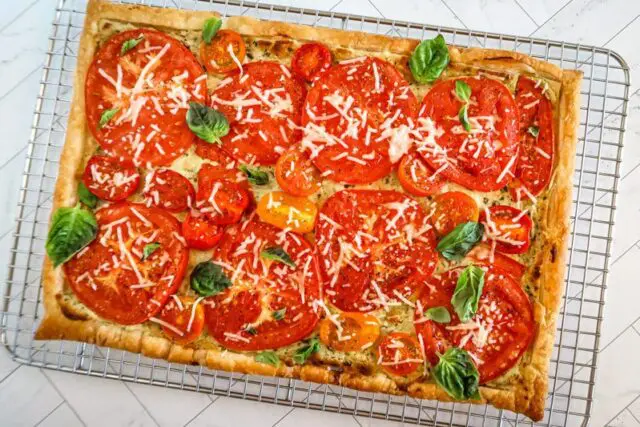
[208, 279]
[107, 115]
[463, 91]
[429, 59]
[206, 123]
[303, 353]
[86, 197]
[279, 314]
[457, 374]
[464, 117]
[467, 294]
[534, 131]
[210, 29]
[268, 357]
[71, 230]
[455, 245]
[276, 253]
[149, 248]
[255, 176]
[250, 330]
[130, 44]
[438, 314]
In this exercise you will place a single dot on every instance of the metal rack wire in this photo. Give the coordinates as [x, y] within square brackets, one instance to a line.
[605, 92]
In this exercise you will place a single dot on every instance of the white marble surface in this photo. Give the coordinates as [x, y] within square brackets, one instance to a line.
[29, 396]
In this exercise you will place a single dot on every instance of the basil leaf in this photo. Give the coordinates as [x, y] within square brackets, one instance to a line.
[86, 197]
[457, 374]
[71, 230]
[534, 131]
[455, 245]
[208, 124]
[438, 314]
[429, 59]
[463, 91]
[279, 314]
[464, 117]
[303, 353]
[276, 253]
[268, 357]
[130, 44]
[250, 330]
[210, 29]
[208, 279]
[106, 116]
[467, 294]
[256, 176]
[149, 248]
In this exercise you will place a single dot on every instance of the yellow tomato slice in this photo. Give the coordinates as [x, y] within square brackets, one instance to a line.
[359, 331]
[285, 211]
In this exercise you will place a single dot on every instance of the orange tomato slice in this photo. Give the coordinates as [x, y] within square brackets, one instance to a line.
[296, 174]
[359, 330]
[286, 211]
[218, 56]
[416, 177]
[452, 209]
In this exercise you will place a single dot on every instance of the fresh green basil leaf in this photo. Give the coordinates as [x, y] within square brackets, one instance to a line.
[208, 279]
[107, 115]
[279, 314]
[455, 245]
[303, 353]
[130, 44]
[210, 29]
[149, 248]
[71, 230]
[438, 314]
[457, 374]
[255, 176]
[534, 131]
[467, 294]
[464, 117]
[276, 253]
[250, 330]
[86, 197]
[206, 123]
[463, 91]
[269, 357]
[429, 59]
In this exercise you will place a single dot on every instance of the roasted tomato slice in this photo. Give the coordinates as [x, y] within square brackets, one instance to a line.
[225, 52]
[357, 331]
[310, 60]
[399, 354]
[508, 227]
[169, 190]
[452, 209]
[222, 201]
[200, 232]
[296, 174]
[416, 177]
[110, 179]
[183, 319]
[481, 254]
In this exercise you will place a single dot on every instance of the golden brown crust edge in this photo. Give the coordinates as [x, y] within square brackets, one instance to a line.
[527, 399]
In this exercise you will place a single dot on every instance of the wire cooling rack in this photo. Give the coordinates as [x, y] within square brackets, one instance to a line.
[604, 92]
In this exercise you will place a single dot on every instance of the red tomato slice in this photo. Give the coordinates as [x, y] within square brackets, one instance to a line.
[157, 78]
[296, 174]
[110, 179]
[452, 209]
[263, 106]
[217, 55]
[535, 162]
[310, 60]
[509, 227]
[261, 285]
[376, 245]
[200, 232]
[416, 177]
[185, 317]
[483, 159]
[169, 190]
[111, 278]
[222, 201]
[503, 325]
[399, 354]
[481, 254]
[351, 115]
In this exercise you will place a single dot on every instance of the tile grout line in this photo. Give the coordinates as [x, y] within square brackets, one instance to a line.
[356, 420]
[551, 17]
[455, 15]
[376, 8]
[51, 412]
[283, 417]
[18, 16]
[632, 414]
[141, 404]
[6, 377]
[626, 408]
[62, 395]
[527, 13]
[201, 411]
[22, 80]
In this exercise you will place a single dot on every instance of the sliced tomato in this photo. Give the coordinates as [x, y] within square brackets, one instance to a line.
[186, 318]
[416, 177]
[537, 143]
[263, 107]
[498, 334]
[287, 212]
[452, 209]
[296, 174]
[377, 246]
[111, 277]
[351, 115]
[509, 227]
[241, 317]
[218, 56]
[484, 156]
[399, 354]
[358, 332]
[310, 60]
[222, 201]
[481, 254]
[169, 190]
[149, 87]
[200, 232]
[110, 179]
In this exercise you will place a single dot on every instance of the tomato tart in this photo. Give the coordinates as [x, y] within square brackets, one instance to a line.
[386, 214]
